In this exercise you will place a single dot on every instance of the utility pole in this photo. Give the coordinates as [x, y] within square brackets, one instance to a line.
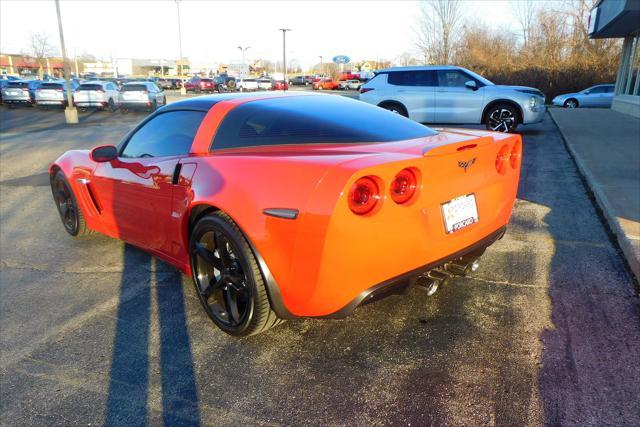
[243, 50]
[183, 91]
[321, 66]
[70, 113]
[284, 56]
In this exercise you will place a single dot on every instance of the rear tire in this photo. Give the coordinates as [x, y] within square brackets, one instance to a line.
[70, 213]
[227, 278]
[394, 107]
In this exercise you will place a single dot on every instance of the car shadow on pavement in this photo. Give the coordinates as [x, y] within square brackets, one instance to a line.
[589, 371]
[131, 360]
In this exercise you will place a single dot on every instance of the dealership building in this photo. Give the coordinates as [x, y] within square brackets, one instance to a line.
[621, 19]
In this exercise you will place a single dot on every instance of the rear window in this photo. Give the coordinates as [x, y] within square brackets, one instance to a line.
[18, 84]
[90, 87]
[312, 119]
[134, 87]
[51, 86]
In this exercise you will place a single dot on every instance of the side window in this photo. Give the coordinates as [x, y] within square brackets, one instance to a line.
[610, 89]
[597, 89]
[452, 78]
[167, 134]
[402, 78]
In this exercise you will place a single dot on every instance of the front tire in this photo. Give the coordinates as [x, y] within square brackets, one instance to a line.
[227, 278]
[502, 118]
[571, 103]
[70, 213]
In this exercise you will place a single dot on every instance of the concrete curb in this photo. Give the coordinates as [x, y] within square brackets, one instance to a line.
[623, 241]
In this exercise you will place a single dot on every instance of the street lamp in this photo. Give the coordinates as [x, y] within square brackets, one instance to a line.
[284, 56]
[243, 50]
[321, 65]
[70, 113]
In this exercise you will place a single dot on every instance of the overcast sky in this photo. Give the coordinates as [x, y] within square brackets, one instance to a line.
[213, 30]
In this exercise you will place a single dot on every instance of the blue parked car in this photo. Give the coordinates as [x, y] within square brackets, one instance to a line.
[595, 96]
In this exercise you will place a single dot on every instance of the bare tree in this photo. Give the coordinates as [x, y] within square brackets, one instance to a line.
[525, 13]
[40, 48]
[437, 25]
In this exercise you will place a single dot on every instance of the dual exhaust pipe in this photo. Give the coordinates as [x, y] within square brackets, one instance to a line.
[432, 280]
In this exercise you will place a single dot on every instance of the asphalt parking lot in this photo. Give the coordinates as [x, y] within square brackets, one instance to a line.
[94, 331]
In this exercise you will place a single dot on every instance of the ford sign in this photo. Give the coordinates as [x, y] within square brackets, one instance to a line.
[341, 59]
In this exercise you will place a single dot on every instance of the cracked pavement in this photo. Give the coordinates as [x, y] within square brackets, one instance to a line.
[94, 331]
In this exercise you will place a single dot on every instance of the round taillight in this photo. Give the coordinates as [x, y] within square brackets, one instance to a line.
[516, 155]
[363, 196]
[502, 159]
[403, 186]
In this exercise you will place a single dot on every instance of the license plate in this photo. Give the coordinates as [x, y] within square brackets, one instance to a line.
[13, 92]
[460, 213]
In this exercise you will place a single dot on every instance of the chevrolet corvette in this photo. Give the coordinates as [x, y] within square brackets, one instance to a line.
[284, 206]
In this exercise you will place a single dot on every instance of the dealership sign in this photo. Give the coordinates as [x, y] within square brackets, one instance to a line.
[341, 59]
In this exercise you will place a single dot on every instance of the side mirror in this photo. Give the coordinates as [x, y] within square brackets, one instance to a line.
[471, 85]
[587, 92]
[104, 153]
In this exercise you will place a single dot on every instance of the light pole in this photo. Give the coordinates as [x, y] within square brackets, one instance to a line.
[284, 57]
[183, 91]
[243, 50]
[321, 65]
[70, 113]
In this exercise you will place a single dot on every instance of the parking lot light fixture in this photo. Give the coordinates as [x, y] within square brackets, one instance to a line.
[243, 50]
[70, 113]
[284, 57]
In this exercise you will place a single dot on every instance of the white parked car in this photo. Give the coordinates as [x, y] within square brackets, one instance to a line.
[453, 95]
[98, 94]
[141, 94]
[53, 93]
[265, 84]
[244, 85]
[350, 84]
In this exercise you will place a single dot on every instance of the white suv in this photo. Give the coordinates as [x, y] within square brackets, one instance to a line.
[99, 93]
[453, 95]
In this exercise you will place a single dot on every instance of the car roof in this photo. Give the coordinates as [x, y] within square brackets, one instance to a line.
[420, 68]
[95, 82]
[204, 103]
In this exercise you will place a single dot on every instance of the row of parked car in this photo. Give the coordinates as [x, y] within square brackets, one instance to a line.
[101, 94]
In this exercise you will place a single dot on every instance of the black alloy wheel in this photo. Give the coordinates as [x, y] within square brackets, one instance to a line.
[70, 214]
[227, 278]
[502, 118]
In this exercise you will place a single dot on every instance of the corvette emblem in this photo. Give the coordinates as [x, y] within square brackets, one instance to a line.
[466, 165]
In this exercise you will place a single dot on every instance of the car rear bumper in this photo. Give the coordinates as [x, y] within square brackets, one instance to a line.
[50, 101]
[16, 100]
[135, 104]
[401, 282]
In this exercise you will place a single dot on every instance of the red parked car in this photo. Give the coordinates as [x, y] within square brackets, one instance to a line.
[280, 85]
[326, 84]
[198, 84]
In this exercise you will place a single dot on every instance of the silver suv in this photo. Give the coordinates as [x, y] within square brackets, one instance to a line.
[453, 95]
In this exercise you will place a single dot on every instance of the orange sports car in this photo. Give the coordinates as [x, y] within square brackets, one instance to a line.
[283, 206]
